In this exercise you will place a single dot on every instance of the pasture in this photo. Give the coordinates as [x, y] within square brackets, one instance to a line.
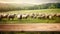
[31, 20]
[34, 11]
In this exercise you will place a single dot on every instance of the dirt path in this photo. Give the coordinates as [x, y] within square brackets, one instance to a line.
[30, 27]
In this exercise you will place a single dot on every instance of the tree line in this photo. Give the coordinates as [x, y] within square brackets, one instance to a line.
[35, 7]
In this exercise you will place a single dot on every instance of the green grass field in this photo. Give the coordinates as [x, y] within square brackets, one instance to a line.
[35, 11]
[32, 20]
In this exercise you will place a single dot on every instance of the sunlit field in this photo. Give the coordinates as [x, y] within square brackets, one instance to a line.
[35, 11]
[32, 20]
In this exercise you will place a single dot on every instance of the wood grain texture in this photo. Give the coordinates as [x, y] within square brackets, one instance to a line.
[30, 27]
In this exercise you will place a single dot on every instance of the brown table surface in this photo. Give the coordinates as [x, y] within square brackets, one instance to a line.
[30, 27]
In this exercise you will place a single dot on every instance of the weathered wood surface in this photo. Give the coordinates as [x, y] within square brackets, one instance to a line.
[30, 27]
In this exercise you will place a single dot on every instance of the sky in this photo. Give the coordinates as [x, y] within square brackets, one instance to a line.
[30, 1]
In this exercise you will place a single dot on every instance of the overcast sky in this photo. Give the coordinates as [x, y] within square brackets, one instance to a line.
[30, 1]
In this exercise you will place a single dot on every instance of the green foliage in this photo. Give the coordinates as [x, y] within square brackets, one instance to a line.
[12, 7]
[52, 7]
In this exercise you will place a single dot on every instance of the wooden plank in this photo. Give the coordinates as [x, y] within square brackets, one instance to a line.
[30, 27]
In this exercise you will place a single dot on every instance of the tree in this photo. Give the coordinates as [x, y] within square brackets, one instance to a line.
[52, 6]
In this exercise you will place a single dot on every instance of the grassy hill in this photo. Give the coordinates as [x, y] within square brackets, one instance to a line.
[13, 6]
[32, 20]
[29, 8]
